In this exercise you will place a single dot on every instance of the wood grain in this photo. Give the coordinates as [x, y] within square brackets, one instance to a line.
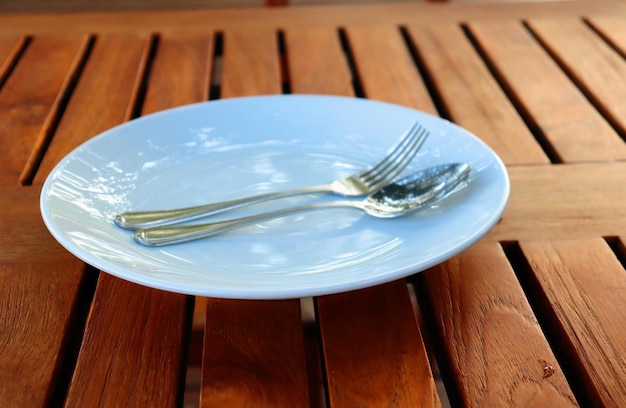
[373, 351]
[398, 83]
[600, 74]
[561, 202]
[494, 348]
[584, 285]
[180, 71]
[23, 234]
[317, 63]
[31, 99]
[251, 63]
[472, 96]
[142, 352]
[104, 95]
[37, 298]
[575, 130]
[253, 355]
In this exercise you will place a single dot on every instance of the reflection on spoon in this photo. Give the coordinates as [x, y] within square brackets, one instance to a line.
[421, 189]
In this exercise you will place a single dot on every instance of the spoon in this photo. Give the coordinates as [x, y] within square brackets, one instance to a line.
[423, 188]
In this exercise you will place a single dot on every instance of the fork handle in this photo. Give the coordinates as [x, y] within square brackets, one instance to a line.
[167, 235]
[134, 220]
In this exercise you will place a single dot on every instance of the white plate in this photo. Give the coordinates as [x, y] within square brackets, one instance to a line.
[236, 147]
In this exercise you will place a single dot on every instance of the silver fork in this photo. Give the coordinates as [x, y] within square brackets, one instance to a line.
[364, 182]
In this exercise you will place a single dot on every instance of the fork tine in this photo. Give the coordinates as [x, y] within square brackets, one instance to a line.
[382, 178]
[406, 140]
[397, 158]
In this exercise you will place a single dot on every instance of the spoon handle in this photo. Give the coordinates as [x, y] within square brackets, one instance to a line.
[158, 236]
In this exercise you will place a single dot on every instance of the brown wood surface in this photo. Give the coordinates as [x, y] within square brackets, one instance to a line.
[493, 345]
[584, 285]
[317, 64]
[563, 115]
[251, 63]
[398, 83]
[253, 355]
[103, 97]
[463, 81]
[600, 74]
[612, 29]
[141, 360]
[530, 316]
[10, 47]
[563, 202]
[372, 349]
[38, 298]
[180, 72]
[31, 98]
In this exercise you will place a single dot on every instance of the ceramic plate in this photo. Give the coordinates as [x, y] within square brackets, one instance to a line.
[232, 148]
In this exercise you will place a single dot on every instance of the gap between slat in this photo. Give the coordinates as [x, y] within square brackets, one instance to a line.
[73, 338]
[427, 77]
[547, 319]
[215, 82]
[578, 82]
[357, 84]
[526, 116]
[45, 138]
[140, 94]
[285, 77]
[6, 71]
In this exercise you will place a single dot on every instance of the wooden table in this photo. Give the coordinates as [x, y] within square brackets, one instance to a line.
[532, 315]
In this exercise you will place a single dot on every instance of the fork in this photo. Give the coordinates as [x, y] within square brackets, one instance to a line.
[364, 182]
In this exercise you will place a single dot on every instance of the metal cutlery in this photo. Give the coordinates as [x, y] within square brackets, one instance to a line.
[423, 188]
[364, 182]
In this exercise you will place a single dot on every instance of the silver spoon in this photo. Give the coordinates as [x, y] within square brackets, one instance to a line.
[423, 188]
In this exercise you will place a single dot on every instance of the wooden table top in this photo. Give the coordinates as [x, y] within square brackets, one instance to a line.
[534, 314]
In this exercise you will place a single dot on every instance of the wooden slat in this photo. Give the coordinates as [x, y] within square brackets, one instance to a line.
[37, 301]
[573, 127]
[103, 97]
[23, 232]
[585, 287]
[399, 82]
[253, 355]
[134, 335]
[147, 329]
[31, 99]
[471, 95]
[560, 202]
[243, 363]
[373, 351]
[600, 73]
[317, 63]
[180, 72]
[495, 350]
[251, 63]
